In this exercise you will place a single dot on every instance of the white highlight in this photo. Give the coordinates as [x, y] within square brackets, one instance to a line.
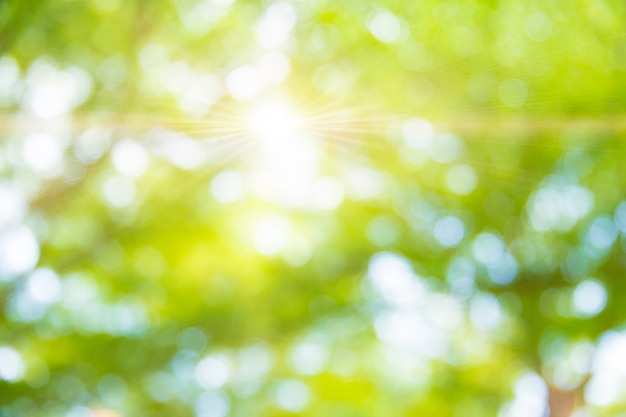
[485, 312]
[11, 364]
[275, 27]
[608, 380]
[129, 158]
[213, 371]
[273, 67]
[212, 404]
[293, 396]
[271, 235]
[274, 122]
[558, 205]
[308, 358]
[179, 150]
[119, 191]
[385, 27]
[288, 159]
[449, 231]
[44, 286]
[462, 179]
[418, 134]
[328, 193]
[243, 82]
[227, 187]
[52, 93]
[393, 278]
[43, 153]
[14, 205]
[531, 397]
[19, 251]
[589, 298]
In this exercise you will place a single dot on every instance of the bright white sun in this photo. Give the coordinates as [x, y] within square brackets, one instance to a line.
[274, 121]
[286, 160]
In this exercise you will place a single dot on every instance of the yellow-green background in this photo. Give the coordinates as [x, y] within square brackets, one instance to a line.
[181, 267]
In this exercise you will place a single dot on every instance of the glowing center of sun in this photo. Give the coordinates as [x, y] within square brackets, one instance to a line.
[286, 160]
[274, 121]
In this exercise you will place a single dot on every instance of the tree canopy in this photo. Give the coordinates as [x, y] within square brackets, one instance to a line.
[321, 208]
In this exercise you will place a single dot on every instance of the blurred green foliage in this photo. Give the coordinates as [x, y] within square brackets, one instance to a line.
[349, 208]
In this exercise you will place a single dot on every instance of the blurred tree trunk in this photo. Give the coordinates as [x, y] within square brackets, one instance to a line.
[563, 403]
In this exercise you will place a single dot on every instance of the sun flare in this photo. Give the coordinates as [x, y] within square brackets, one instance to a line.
[287, 160]
[274, 121]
